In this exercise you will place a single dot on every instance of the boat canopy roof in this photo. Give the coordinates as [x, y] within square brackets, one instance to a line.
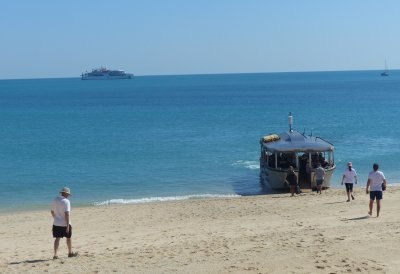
[297, 142]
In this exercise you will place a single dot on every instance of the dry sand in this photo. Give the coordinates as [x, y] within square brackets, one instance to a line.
[309, 233]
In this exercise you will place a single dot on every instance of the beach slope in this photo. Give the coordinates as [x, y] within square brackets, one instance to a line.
[309, 233]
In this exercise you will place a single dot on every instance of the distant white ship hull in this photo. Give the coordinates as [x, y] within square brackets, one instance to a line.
[106, 74]
[107, 77]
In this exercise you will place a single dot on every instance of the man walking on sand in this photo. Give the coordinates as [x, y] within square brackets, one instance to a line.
[349, 178]
[60, 210]
[376, 181]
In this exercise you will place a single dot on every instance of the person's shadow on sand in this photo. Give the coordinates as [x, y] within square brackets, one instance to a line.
[30, 261]
[335, 203]
[357, 218]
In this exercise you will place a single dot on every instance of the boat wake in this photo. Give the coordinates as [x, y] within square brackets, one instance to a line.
[247, 164]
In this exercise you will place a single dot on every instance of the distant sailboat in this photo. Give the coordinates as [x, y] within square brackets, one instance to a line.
[386, 71]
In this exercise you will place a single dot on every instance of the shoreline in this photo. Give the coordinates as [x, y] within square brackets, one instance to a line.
[158, 199]
[274, 233]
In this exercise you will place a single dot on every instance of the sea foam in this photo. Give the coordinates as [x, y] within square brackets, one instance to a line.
[164, 199]
[247, 164]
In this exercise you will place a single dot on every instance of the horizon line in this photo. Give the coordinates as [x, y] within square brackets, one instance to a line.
[194, 74]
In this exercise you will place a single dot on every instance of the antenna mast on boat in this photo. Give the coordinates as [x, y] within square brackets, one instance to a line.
[290, 122]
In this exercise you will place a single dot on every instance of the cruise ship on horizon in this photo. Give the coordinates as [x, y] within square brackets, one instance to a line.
[105, 74]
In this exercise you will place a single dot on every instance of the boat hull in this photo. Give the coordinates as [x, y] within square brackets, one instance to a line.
[107, 77]
[276, 179]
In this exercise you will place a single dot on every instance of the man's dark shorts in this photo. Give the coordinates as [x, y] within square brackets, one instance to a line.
[319, 182]
[375, 194]
[349, 187]
[61, 231]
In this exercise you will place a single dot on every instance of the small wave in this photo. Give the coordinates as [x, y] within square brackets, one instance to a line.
[247, 164]
[163, 199]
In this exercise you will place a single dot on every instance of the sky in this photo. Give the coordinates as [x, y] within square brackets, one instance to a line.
[47, 38]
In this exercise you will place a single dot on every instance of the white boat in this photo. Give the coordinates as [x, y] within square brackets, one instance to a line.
[303, 153]
[105, 74]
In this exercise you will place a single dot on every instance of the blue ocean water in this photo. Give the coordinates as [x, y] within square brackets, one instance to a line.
[178, 137]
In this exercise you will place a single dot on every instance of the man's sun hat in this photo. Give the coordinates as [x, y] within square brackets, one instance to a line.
[66, 190]
[349, 164]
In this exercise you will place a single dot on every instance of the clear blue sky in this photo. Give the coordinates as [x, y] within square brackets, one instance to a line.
[47, 38]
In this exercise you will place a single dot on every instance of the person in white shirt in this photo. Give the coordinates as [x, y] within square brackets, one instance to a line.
[349, 178]
[60, 210]
[376, 181]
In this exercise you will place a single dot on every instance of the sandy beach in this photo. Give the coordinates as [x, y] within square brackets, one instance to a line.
[309, 233]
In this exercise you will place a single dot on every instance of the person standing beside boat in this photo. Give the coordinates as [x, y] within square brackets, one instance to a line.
[319, 177]
[349, 178]
[375, 185]
[308, 170]
[291, 178]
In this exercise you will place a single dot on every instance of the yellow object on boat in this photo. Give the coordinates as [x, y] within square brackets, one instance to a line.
[271, 138]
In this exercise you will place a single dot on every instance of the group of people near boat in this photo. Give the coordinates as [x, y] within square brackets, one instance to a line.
[319, 177]
[376, 183]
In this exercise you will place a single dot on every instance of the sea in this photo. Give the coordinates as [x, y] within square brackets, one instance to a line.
[164, 138]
